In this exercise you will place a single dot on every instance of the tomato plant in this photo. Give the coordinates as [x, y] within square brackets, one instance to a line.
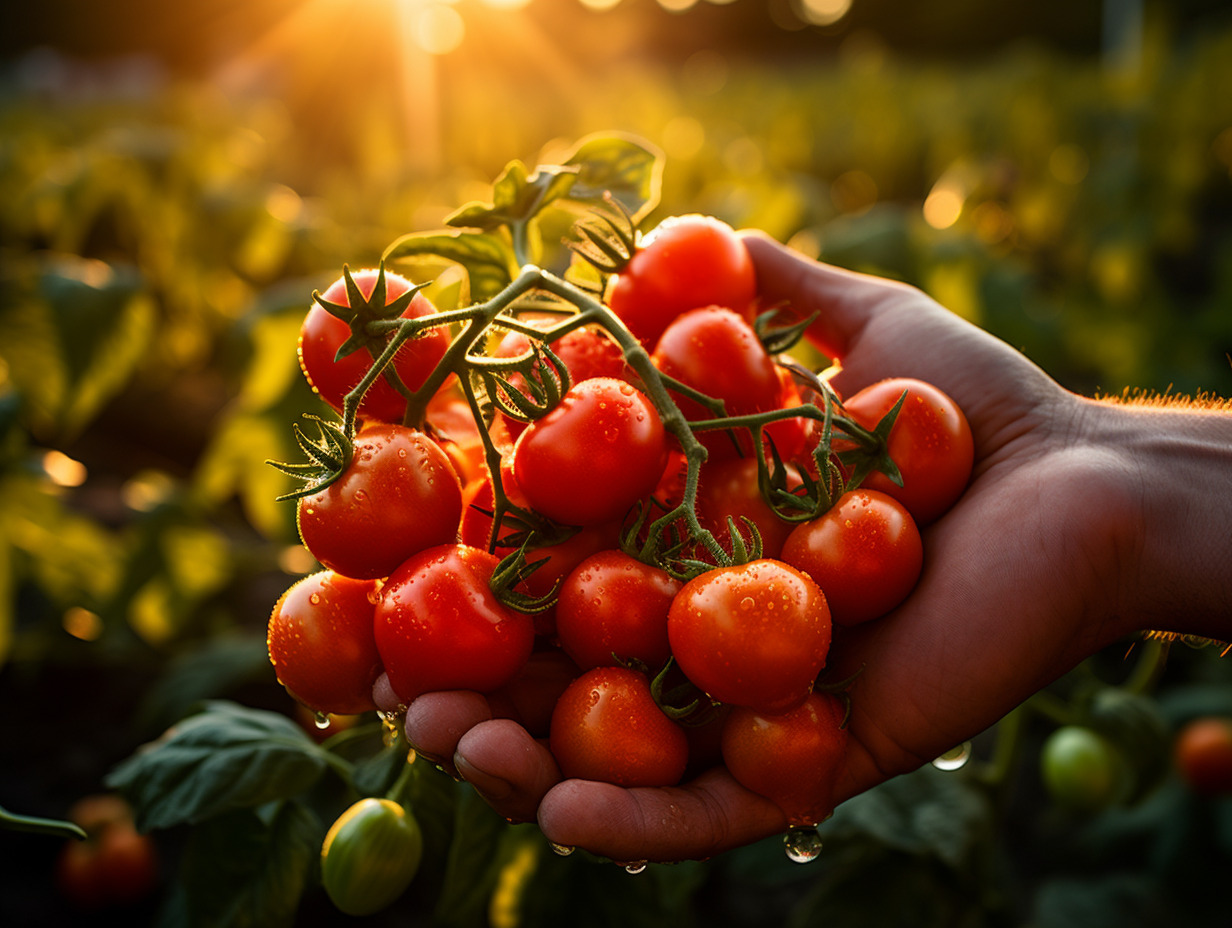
[728, 489]
[754, 634]
[323, 333]
[684, 263]
[398, 495]
[1202, 753]
[930, 442]
[792, 758]
[865, 553]
[370, 855]
[321, 643]
[440, 626]
[607, 726]
[591, 458]
[612, 608]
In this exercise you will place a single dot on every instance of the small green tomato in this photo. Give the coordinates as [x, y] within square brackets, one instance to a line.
[370, 855]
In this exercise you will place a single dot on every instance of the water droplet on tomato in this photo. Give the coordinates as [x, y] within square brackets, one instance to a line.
[635, 866]
[563, 850]
[315, 599]
[747, 603]
[320, 720]
[954, 759]
[802, 843]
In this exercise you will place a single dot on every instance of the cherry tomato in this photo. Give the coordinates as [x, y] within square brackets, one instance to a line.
[865, 553]
[530, 697]
[727, 488]
[322, 334]
[1203, 755]
[716, 352]
[792, 758]
[606, 726]
[321, 643]
[612, 606]
[597, 453]
[370, 855]
[115, 865]
[684, 263]
[439, 626]
[753, 634]
[398, 496]
[930, 442]
[1083, 771]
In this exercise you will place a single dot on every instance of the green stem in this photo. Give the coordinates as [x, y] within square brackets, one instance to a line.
[43, 826]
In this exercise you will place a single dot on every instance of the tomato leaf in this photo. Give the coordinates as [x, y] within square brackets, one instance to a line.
[225, 757]
[489, 260]
[517, 197]
[628, 168]
[480, 847]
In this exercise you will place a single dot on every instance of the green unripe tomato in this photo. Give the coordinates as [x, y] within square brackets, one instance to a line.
[370, 855]
[1083, 771]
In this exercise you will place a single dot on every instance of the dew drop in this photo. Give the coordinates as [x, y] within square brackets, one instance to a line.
[321, 720]
[954, 759]
[747, 603]
[802, 843]
[635, 866]
[315, 599]
[561, 850]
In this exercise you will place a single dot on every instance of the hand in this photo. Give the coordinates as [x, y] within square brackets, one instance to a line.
[1039, 565]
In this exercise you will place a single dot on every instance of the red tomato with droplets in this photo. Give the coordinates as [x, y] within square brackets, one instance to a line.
[439, 626]
[930, 442]
[531, 696]
[792, 758]
[602, 449]
[613, 608]
[684, 263]
[321, 643]
[322, 334]
[607, 727]
[865, 553]
[728, 488]
[399, 495]
[754, 634]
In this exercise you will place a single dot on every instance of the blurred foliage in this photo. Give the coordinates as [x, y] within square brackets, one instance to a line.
[158, 244]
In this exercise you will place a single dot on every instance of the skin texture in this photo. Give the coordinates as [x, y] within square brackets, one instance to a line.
[1119, 522]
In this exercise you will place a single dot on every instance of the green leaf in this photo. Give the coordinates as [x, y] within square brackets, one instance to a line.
[226, 757]
[489, 261]
[247, 870]
[628, 168]
[473, 865]
[517, 197]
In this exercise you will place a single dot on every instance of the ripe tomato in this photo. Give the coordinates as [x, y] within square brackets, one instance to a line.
[930, 442]
[530, 697]
[791, 758]
[322, 333]
[115, 865]
[716, 352]
[606, 726]
[370, 855]
[321, 643]
[684, 263]
[865, 553]
[398, 496]
[439, 626]
[728, 488]
[597, 453]
[1084, 771]
[614, 606]
[753, 634]
[1203, 755]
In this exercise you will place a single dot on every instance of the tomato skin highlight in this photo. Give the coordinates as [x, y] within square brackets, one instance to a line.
[399, 495]
[321, 643]
[684, 263]
[754, 634]
[613, 604]
[322, 333]
[370, 855]
[930, 442]
[439, 626]
[597, 453]
[606, 726]
[865, 553]
[1202, 752]
[792, 758]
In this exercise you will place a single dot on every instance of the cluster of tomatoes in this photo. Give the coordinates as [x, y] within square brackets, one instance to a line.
[625, 556]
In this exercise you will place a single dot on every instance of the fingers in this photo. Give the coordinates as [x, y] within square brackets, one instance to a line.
[508, 768]
[695, 821]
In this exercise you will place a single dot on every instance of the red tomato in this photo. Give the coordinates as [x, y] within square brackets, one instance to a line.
[115, 865]
[930, 442]
[530, 697]
[398, 496]
[684, 263]
[597, 453]
[439, 626]
[606, 726]
[728, 488]
[753, 634]
[716, 352]
[1203, 753]
[614, 606]
[865, 553]
[792, 758]
[321, 643]
[323, 333]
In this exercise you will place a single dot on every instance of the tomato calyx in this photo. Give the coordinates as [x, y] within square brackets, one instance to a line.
[328, 457]
[778, 339]
[544, 380]
[609, 238]
[679, 698]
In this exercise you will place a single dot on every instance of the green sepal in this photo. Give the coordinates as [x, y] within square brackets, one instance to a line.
[875, 454]
[546, 378]
[778, 339]
[680, 699]
[512, 570]
[328, 457]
